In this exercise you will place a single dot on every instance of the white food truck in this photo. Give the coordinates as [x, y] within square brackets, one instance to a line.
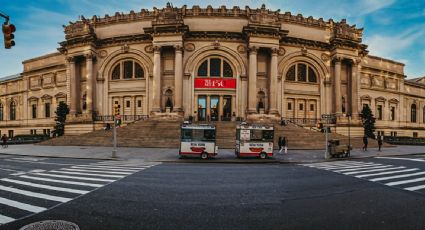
[254, 140]
[198, 140]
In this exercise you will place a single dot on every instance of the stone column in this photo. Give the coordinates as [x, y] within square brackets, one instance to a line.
[273, 82]
[220, 107]
[208, 109]
[90, 83]
[354, 89]
[156, 84]
[73, 106]
[337, 86]
[252, 81]
[178, 78]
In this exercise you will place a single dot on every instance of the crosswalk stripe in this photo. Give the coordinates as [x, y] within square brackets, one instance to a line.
[386, 173]
[347, 167]
[63, 181]
[86, 174]
[75, 177]
[96, 171]
[5, 219]
[34, 194]
[331, 164]
[23, 206]
[405, 181]
[114, 167]
[374, 170]
[105, 168]
[45, 186]
[362, 168]
[398, 176]
[414, 188]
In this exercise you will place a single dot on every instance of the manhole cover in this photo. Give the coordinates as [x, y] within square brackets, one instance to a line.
[51, 225]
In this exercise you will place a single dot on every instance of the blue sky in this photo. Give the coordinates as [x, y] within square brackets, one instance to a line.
[393, 29]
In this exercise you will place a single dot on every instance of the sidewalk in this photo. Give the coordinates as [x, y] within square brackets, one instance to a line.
[171, 155]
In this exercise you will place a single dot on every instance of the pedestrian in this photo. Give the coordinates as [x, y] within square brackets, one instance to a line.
[380, 142]
[364, 143]
[4, 141]
[279, 142]
[285, 144]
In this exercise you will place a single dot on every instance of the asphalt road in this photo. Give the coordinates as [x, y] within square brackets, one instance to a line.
[332, 195]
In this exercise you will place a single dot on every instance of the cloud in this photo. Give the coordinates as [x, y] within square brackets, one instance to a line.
[369, 6]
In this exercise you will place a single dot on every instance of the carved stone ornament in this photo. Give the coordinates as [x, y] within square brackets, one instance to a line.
[125, 48]
[281, 51]
[103, 53]
[241, 49]
[304, 51]
[325, 57]
[216, 44]
[149, 49]
[189, 47]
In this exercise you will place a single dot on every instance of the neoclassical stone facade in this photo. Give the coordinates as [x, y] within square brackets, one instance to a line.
[213, 64]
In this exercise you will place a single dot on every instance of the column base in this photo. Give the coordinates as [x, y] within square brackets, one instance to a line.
[251, 111]
[274, 112]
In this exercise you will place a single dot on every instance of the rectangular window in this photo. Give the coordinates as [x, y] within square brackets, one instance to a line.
[34, 111]
[10, 133]
[289, 106]
[47, 109]
[311, 107]
[393, 134]
[415, 134]
[127, 104]
[139, 103]
[379, 112]
[392, 113]
[301, 106]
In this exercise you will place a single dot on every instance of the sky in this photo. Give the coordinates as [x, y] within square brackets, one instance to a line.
[393, 29]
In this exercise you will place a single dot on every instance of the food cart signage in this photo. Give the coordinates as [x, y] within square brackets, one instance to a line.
[245, 135]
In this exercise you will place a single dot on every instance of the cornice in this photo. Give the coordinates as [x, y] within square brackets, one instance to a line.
[305, 42]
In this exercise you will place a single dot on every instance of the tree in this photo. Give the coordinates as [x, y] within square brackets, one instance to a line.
[368, 121]
[61, 111]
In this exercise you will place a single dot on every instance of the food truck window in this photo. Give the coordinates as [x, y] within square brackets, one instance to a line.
[186, 134]
[209, 135]
[268, 135]
[256, 134]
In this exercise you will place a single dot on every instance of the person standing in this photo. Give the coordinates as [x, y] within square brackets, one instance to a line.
[4, 141]
[279, 142]
[379, 142]
[365, 143]
[285, 144]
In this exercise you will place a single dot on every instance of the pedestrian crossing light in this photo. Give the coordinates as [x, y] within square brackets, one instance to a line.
[116, 110]
[8, 30]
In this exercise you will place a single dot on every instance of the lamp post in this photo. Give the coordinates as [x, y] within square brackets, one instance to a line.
[349, 137]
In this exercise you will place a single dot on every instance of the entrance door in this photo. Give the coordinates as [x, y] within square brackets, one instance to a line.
[214, 108]
[227, 108]
[202, 108]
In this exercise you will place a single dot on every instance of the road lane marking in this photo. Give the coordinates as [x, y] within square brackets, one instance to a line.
[400, 158]
[86, 174]
[414, 188]
[96, 171]
[374, 170]
[106, 169]
[396, 177]
[64, 181]
[347, 166]
[361, 168]
[22, 206]
[405, 181]
[45, 186]
[34, 194]
[74, 177]
[114, 167]
[37, 162]
[5, 219]
[386, 173]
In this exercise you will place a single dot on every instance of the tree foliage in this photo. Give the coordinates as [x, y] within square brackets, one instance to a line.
[368, 121]
[61, 112]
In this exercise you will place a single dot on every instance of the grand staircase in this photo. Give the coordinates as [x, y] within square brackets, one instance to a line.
[166, 134]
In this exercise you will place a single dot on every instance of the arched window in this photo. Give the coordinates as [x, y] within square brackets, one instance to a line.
[215, 67]
[413, 113]
[423, 115]
[12, 111]
[303, 72]
[1, 112]
[127, 69]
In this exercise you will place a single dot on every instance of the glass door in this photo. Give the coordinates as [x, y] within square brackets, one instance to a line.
[214, 108]
[202, 108]
[227, 108]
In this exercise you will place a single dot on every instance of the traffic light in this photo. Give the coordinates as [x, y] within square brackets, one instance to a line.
[8, 30]
[116, 109]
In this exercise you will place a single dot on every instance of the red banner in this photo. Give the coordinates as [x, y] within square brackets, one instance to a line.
[215, 83]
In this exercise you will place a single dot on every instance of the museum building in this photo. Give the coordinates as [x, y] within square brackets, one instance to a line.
[211, 64]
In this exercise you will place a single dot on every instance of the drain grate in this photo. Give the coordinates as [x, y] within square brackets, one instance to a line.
[51, 225]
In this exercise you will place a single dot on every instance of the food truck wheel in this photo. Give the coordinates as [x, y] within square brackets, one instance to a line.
[204, 155]
[263, 155]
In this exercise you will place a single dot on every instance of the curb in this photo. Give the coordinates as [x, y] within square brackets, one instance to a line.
[70, 157]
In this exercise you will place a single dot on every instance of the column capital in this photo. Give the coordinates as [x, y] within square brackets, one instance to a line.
[70, 59]
[355, 61]
[179, 48]
[89, 56]
[275, 51]
[156, 49]
[337, 58]
[253, 49]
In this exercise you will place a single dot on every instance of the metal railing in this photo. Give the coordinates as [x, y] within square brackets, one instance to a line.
[124, 118]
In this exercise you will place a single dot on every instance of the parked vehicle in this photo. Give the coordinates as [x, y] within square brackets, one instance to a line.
[198, 140]
[26, 139]
[254, 140]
